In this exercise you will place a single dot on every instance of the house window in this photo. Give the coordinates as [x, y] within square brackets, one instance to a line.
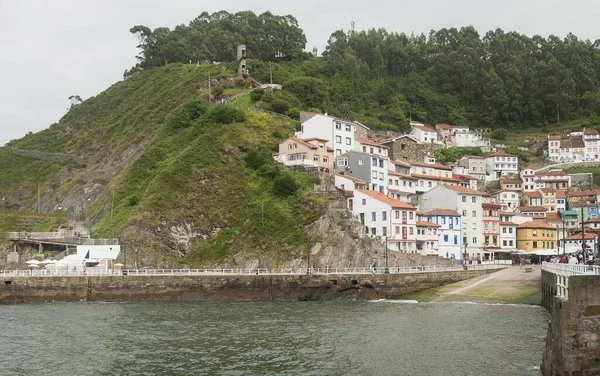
[445, 238]
[384, 216]
[316, 158]
[464, 213]
[411, 231]
[360, 162]
[455, 221]
[338, 125]
[374, 174]
[535, 245]
[338, 139]
[429, 184]
[381, 176]
[325, 159]
[455, 239]
[402, 146]
[339, 152]
[443, 220]
[410, 215]
[348, 141]
[474, 213]
[474, 226]
[348, 128]
[397, 230]
[473, 199]
[364, 201]
[504, 242]
[534, 232]
[474, 240]
[384, 231]
[381, 163]
[504, 230]
[397, 214]
[510, 243]
[371, 150]
[464, 198]
[374, 216]
[374, 231]
[375, 162]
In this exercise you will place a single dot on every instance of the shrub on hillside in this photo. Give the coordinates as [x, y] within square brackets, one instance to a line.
[255, 159]
[257, 95]
[280, 106]
[294, 113]
[500, 134]
[225, 115]
[190, 112]
[284, 185]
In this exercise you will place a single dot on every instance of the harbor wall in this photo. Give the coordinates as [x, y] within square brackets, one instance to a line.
[573, 337]
[224, 287]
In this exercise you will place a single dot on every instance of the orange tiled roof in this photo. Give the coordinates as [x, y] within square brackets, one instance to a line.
[437, 165]
[554, 137]
[372, 143]
[536, 225]
[578, 237]
[424, 128]
[436, 178]
[464, 190]
[386, 200]
[532, 208]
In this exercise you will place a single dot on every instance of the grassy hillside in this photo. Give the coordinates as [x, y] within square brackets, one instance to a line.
[176, 178]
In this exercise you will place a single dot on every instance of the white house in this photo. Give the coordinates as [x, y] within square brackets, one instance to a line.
[573, 243]
[511, 198]
[339, 132]
[449, 232]
[349, 183]
[501, 164]
[591, 139]
[508, 232]
[427, 238]
[402, 187]
[424, 134]
[386, 219]
[528, 178]
[371, 168]
[467, 202]
[463, 136]
[372, 147]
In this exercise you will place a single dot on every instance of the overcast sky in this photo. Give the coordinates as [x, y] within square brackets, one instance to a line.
[51, 49]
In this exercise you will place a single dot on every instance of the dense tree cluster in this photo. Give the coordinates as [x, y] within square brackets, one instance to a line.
[214, 38]
[501, 79]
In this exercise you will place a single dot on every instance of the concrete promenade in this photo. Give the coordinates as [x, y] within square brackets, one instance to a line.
[515, 284]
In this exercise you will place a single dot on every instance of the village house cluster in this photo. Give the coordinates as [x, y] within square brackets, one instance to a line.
[408, 201]
[578, 147]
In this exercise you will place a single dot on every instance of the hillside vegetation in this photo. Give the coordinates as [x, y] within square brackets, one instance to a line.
[171, 174]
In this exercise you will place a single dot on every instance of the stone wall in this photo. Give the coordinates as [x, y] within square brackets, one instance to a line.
[223, 288]
[573, 339]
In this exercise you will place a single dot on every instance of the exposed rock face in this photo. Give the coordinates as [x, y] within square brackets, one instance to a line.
[334, 244]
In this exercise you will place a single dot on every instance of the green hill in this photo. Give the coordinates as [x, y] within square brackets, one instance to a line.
[149, 160]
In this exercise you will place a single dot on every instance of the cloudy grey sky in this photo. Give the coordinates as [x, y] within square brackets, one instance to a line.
[51, 49]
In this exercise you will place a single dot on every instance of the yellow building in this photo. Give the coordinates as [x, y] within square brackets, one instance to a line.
[306, 151]
[534, 236]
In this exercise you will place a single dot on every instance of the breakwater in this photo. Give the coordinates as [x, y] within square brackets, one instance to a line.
[224, 287]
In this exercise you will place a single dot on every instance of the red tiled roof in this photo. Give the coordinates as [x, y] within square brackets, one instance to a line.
[551, 173]
[352, 178]
[446, 212]
[427, 224]
[464, 190]
[436, 178]
[386, 200]
[394, 173]
[548, 190]
[536, 225]
[506, 213]
[371, 143]
[401, 164]
[532, 209]
[511, 181]
[437, 165]
[582, 193]
[554, 137]
[561, 194]
[593, 220]
[424, 128]
[534, 194]
[578, 237]
[508, 224]
[552, 217]
[444, 126]
[589, 132]
[501, 153]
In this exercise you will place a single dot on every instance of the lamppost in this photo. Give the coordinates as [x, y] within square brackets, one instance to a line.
[465, 244]
[387, 270]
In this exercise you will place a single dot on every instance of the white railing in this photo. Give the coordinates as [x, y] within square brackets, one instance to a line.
[57, 237]
[240, 272]
[564, 271]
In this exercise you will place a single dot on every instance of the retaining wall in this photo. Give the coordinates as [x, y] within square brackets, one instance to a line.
[224, 288]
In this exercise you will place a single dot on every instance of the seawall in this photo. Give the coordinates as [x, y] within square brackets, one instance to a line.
[573, 339]
[224, 288]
